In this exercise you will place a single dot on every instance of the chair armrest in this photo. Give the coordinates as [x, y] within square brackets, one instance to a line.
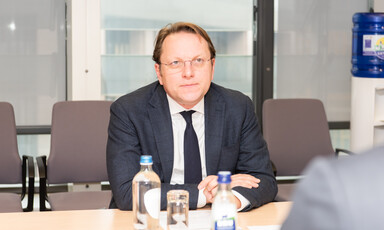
[337, 151]
[28, 166]
[42, 167]
[23, 177]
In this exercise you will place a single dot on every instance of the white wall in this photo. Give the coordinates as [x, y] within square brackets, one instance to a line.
[379, 5]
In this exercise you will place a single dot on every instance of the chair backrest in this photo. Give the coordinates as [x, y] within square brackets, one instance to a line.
[10, 161]
[78, 142]
[296, 130]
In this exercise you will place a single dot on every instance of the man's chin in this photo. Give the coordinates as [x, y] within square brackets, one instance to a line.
[190, 101]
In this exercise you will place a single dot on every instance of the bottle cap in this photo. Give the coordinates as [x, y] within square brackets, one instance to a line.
[146, 159]
[224, 177]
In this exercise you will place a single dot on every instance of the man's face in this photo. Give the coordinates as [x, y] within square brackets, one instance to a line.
[188, 84]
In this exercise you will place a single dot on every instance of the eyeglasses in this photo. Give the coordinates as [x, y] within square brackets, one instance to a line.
[178, 65]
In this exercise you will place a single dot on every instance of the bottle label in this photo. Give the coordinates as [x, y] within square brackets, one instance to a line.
[373, 45]
[225, 224]
[152, 202]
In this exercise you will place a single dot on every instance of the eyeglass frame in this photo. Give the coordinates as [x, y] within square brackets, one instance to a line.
[179, 68]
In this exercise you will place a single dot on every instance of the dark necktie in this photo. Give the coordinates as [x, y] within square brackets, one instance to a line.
[192, 163]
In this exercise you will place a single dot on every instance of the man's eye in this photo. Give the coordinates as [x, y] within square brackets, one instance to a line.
[199, 60]
[175, 63]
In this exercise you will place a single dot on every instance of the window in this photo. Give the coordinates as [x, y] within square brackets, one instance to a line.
[32, 64]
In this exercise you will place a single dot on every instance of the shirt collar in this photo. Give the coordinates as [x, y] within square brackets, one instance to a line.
[175, 107]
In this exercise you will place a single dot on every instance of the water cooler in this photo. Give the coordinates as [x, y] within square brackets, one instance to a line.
[367, 108]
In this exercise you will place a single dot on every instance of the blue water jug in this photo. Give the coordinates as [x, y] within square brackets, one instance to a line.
[368, 45]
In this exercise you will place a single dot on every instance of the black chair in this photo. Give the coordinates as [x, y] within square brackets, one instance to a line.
[14, 170]
[296, 131]
[78, 155]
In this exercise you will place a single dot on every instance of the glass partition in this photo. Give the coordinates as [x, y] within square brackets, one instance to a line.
[129, 28]
[32, 64]
[32, 58]
[313, 45]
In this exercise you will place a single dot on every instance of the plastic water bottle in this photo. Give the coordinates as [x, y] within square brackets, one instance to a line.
[224, 210]
[146, 196]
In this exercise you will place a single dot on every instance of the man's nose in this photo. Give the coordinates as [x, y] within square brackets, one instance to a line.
[187, 70]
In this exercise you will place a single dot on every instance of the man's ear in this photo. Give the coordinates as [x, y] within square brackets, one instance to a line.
[158, 73]
[213, 67]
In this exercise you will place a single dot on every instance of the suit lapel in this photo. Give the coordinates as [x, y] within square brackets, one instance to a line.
[160, 118]
[214, 124]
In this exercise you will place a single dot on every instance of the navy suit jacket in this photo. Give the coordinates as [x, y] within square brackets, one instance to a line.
[141, 124]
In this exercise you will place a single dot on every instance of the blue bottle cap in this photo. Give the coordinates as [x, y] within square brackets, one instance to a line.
[146, 159]
[224, 177]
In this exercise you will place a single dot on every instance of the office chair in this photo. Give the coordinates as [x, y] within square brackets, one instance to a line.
[78, 155]
[14, 170]
[296, 131]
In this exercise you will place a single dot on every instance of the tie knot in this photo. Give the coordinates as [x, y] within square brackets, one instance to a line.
[187, 116]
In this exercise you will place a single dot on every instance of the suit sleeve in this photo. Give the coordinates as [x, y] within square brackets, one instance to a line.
[254, 160]
[123, 162]
[316, 203]
[123, 157]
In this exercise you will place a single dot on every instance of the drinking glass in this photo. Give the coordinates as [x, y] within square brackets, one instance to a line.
[177, 209]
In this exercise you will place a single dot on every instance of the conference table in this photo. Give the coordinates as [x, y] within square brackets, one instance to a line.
[112, 219]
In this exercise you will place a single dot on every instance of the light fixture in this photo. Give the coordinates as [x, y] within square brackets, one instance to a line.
[12, 26]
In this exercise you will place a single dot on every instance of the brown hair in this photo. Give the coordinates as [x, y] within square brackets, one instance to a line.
[179, 27]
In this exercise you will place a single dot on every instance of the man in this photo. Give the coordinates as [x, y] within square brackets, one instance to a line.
[345, 194]
[225, 129]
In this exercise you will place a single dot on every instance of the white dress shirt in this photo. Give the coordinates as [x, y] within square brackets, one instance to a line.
[178, 128]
